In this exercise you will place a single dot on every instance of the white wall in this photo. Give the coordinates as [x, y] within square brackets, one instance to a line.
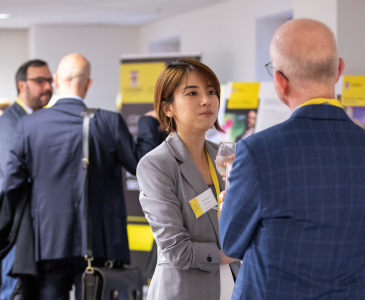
[101, 45]
[265, 30]
[346, 19]
[224, 32]
[321, 10]
[13, 53]
[170, 45]
[351, 35]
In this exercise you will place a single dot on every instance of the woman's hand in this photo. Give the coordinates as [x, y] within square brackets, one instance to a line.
[221, 198]
[151, 113]
[226, 259]
[225, 164]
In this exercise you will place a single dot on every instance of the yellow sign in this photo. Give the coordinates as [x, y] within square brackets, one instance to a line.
[140, 237]
[138, 81]
[137, 219]
[353, 91]
[244, 95]
[196, 207]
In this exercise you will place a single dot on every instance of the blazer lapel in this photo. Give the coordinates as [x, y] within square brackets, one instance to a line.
[192, 174]
[187, 167]
[213, 213]
[19, 110]
[321, 111]
[213, 153]
[70, 106]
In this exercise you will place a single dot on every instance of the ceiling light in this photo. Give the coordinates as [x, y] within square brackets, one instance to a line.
[4, 16]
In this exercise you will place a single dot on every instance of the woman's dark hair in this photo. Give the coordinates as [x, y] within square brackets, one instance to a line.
[170, 79]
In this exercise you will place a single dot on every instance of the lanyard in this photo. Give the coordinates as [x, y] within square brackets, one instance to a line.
[22, 105]
[333, 102]
[215, 181]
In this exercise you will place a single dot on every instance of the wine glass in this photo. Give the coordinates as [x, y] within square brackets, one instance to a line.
[225, 150]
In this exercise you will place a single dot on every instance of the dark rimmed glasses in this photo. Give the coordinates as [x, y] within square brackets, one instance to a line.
[270, 70]
[41, 80]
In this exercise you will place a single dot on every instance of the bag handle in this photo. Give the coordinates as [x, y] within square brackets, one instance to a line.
[88, 114]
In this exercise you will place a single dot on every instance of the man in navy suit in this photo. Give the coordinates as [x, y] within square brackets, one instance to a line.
[46, 156]
[34, 86]
[295, 210]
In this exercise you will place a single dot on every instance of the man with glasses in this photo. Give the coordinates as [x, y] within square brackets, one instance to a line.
[295, 208]
[34, 86]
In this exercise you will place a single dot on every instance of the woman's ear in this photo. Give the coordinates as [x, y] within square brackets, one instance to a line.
[168, 110]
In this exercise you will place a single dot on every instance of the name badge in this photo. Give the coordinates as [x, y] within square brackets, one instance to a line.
[202, 203]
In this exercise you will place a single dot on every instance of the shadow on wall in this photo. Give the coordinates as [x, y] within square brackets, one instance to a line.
[265, 29]
[171, 44]
[224, 64]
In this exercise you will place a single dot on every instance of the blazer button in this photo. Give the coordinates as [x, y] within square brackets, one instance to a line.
[209, 259]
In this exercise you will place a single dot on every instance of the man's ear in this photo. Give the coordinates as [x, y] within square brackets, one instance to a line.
[89, 82]
[55, 80]
[282, 82]
[21, 86]
[341, 67]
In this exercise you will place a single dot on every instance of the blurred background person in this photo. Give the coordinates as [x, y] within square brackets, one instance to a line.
[47, 148]
[250, 125]
[187, 97]
[34, 85]
[295, 210]
[4, 104]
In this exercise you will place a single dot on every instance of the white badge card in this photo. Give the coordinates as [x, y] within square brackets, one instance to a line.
[202, 203]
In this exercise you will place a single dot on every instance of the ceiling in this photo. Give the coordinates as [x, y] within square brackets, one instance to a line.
[25, 13]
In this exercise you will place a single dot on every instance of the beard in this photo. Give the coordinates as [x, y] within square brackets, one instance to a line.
[38, 101]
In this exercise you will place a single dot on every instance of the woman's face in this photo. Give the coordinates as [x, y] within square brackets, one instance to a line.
[195, 106]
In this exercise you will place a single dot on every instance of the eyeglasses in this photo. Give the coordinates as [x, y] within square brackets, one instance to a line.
[270, 70]
[41, 80]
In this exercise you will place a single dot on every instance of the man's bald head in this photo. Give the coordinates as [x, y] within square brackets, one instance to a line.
[305, 49]
[73, 75]
[74, 66]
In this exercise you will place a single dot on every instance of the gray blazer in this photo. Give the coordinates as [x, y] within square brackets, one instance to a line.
[188, 248]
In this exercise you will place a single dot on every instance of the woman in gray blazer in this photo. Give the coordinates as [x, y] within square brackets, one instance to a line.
[189, 255]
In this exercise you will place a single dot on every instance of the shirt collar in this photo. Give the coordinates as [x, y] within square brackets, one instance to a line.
[70, 96]
[317, 101]
[27, 109]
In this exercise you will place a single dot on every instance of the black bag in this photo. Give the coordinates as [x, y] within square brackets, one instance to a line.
[114, 281]
[108, 283]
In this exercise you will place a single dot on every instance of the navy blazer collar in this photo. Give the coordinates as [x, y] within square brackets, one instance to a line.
[321, 111]
[72, 101]
[18, 109]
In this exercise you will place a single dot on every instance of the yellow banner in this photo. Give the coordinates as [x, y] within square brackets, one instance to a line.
[140, 237]
[137, 219]
[138, 81]
[244, 95]
[353, 91]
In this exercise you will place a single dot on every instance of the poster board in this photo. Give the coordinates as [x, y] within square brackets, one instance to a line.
[272, 110]
[350, 90]
[240, 112]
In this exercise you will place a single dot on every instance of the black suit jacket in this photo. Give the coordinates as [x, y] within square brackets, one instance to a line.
[8, 122]
[47, 148]
[16, 228]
